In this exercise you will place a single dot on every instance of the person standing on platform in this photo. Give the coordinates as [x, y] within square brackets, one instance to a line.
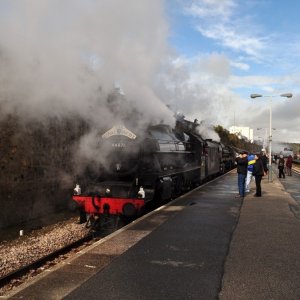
[289, 164]
[264, 159]
[242, 165]
[251, 162]
[258, 173]
[281, 166]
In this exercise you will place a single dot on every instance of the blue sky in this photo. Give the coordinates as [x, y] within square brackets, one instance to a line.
[254, 33]
[261, 42]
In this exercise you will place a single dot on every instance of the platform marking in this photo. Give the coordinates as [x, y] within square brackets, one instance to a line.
[177, 264]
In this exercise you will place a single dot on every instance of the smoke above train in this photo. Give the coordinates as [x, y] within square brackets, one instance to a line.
[63, 58]
[59, 63]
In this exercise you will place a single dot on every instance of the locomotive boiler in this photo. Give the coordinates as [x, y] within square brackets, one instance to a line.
[158, 165]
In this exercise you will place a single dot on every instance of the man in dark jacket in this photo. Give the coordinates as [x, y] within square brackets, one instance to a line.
[242, 165]
[258, 173]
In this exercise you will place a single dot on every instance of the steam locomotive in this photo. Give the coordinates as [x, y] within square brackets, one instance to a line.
[159, 165]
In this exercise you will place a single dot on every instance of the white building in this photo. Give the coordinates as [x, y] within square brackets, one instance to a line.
[246, 132]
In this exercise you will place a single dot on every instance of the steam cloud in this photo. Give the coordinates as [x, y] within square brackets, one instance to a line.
[63, 58]
[59, 58]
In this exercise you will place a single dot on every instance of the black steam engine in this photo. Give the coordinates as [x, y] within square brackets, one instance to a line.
[159, 165]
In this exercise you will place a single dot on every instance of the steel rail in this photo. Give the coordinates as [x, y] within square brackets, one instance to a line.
[42, 261]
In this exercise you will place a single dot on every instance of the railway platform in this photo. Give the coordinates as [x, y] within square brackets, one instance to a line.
[206, 244]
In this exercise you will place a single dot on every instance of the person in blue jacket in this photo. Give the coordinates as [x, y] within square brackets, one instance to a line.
[251, 162]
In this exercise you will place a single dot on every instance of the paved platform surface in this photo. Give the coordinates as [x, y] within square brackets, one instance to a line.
[263, 261]
[205, 245]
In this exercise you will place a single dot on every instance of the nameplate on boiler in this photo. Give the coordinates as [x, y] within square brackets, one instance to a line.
[119, 130]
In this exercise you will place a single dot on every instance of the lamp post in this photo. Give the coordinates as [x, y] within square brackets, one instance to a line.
[287, 95]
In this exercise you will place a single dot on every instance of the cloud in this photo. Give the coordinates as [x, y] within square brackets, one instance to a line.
[210, 8]
[215, 64]
[240, 41]
[240, 65]
[205, 88]
[253, 81]
[228, 37]
[220, 21]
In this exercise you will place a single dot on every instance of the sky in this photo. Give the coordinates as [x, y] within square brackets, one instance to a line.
[240, 48]
[202, 58]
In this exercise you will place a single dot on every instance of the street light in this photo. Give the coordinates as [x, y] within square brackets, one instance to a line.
[287, 95]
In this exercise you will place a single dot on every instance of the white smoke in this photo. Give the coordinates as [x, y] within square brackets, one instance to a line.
[200, 89]
[62, 57]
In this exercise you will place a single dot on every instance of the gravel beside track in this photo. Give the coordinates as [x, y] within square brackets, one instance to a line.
[39, 243]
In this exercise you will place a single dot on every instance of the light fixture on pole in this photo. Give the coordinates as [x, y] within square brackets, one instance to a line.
[287, 95]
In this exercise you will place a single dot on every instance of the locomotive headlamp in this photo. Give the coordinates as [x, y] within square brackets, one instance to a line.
[141, 193]
[77, 190]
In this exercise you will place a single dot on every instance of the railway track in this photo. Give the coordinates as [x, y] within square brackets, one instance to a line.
[24, 273]
[19, 273]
